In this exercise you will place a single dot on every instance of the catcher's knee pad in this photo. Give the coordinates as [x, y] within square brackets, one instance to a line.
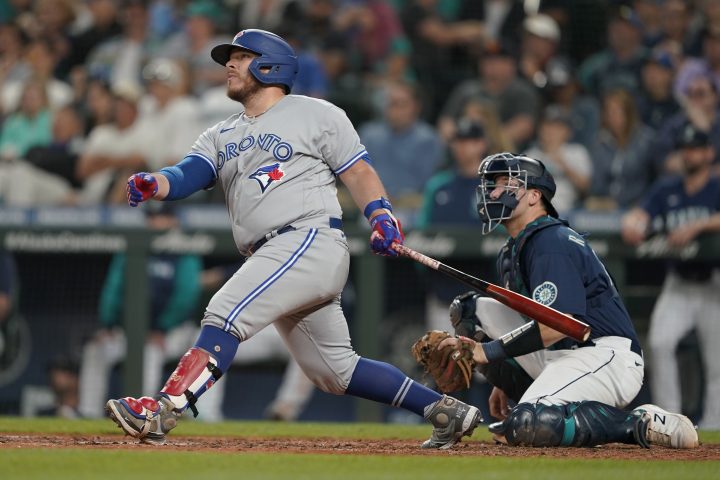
[535, 425]
[195, 373]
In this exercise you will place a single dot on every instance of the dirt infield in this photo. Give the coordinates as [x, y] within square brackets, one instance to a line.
[352, 447]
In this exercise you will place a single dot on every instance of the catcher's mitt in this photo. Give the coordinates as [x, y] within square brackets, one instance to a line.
[451, 367]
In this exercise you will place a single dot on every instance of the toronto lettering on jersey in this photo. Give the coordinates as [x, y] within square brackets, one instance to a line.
[269, 142]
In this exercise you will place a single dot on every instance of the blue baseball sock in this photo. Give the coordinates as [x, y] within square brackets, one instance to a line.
[385, 383]
[220, 344]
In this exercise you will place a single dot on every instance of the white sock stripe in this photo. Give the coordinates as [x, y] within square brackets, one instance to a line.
[402, 399]
[400, 393]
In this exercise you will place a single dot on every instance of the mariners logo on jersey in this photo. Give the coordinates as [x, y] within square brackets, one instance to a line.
[545, 293]
[267, 175]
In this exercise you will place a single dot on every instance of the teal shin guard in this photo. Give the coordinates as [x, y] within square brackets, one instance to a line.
[581, 424]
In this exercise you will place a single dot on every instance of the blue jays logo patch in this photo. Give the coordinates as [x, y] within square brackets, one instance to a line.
[267, 175]
[545, 293]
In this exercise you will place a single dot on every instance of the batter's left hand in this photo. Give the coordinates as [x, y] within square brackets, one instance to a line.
[386, 230]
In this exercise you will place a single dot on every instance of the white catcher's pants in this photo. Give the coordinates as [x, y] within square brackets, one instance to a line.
[608, 372]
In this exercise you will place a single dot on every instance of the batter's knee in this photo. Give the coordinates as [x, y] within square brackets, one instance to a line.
[330, 380]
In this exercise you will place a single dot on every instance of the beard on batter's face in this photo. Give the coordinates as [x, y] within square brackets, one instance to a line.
[249, 88]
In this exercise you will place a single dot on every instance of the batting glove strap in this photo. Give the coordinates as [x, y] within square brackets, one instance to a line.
[141, 187]
[386, 230]
[382, 202]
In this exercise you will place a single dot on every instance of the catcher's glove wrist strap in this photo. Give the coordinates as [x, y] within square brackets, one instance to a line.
[521, 341]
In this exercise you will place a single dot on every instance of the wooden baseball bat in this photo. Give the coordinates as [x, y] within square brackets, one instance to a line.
[554, 319]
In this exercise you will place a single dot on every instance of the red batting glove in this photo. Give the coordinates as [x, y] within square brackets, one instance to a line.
[140, 187]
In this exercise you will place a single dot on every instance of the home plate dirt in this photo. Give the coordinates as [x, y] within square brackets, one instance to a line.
[351, 447]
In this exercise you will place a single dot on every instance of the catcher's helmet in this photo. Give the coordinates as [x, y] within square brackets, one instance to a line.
[525, 171]
[275, 53]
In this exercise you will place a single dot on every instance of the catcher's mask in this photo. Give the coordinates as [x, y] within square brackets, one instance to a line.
[521, 172]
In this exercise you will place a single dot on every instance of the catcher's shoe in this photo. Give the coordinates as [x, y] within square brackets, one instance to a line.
[659, 427]
[145, 418]
[452, 420]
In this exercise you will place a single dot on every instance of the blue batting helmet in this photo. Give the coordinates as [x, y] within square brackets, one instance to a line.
[274, 53]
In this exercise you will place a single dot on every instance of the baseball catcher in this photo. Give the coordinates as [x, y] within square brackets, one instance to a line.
[564, 393]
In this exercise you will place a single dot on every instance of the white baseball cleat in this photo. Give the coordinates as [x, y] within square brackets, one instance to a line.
[667, 429]
[144, 418]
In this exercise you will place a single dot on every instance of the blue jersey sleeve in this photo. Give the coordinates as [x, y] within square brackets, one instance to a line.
[554, 280]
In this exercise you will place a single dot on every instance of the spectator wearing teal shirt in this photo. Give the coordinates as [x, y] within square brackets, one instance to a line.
[30, 126]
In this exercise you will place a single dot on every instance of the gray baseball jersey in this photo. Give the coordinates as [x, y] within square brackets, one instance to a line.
[279, 169]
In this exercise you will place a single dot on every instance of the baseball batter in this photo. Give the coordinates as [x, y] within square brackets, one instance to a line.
[277, 161]
[571, 395]
[682, 208]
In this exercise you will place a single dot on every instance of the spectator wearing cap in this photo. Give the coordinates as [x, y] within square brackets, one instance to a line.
[700, 106]
[621, 167]
[113, 151]
[539, 49]
[449, 201]
[192, 45]
[657, 103]
[569, 163]
[619, 65]
[404, 149]
[499, 84]
[171, 114]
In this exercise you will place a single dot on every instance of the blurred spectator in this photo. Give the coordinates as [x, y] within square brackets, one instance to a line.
[60, 156]
[676, 37]
[375, 31]
[8, 287]
[30, 125]
[12, 67]
[63, 378]
[311, 79]
[171, 114]
[120, 60]
[484, 113]
[657, 103]
[515, 100]
[404, 149]
[270, 14]
[54, 24]
[112, 150]
[174, 283]
[445, 43]
[539, 49]
[569, 163]
[105, 25]
[192, 45]
[97, 106]
[563, 90]
[40, 59]
[649, 15]
[682, 208]
[707, 65]
[449, 200]
[700, 103]
[619, 65]
[621, 168]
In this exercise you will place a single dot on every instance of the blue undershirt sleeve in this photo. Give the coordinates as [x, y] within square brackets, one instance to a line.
[192, 174]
